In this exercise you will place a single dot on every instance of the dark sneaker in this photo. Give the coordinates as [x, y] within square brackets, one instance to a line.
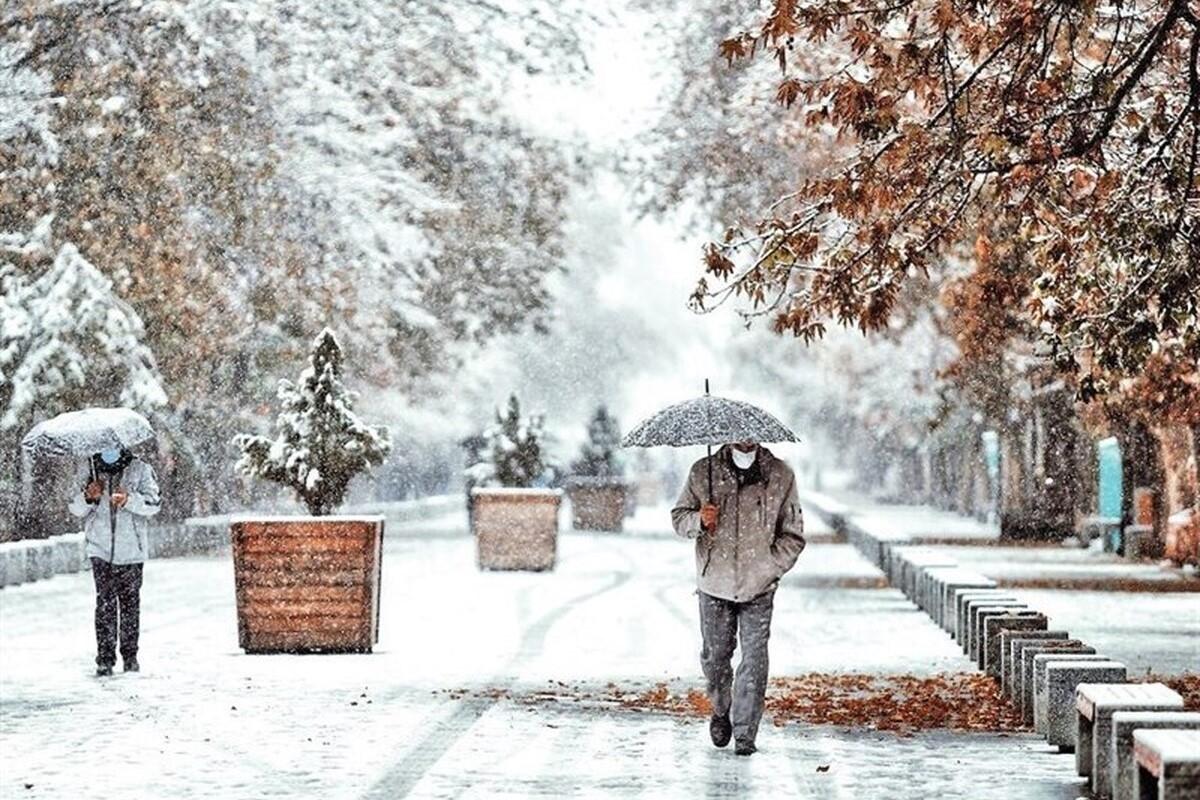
[745, 747]
[131, 665]
[104, 671]
[720, 729]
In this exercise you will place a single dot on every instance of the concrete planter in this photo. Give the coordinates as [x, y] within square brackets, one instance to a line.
[515, 528]
[307, 584]
[597, 504]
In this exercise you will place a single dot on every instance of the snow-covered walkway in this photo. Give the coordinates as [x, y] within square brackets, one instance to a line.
[205, 720]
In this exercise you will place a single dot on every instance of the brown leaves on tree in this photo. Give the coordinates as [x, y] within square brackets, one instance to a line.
[1072, 129]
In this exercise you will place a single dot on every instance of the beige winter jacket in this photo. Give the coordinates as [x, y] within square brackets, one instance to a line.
[760, 527]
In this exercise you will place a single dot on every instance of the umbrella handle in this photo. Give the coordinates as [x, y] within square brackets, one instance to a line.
[710, 488]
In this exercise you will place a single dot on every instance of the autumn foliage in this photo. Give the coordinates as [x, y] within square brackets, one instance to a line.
[1073, 128]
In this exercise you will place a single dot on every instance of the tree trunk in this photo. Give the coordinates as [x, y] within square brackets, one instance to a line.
[1141, 466]
[1060, 457]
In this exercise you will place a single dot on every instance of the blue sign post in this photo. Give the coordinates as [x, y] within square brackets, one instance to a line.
[1109, 453]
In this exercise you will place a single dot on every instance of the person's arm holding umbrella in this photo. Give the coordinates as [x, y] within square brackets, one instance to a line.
[789, 530]
[691, 516]
[84, 500]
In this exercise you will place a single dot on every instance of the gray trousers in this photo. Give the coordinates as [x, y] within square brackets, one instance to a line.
[721, 622]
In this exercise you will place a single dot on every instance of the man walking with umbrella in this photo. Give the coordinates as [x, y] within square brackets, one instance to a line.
[749, 532]
[740, 505]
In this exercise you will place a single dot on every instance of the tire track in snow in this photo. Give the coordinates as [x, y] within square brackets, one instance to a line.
[405, 775]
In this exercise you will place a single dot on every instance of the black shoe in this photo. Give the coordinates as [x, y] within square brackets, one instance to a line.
[104, 671]
[744, 747]
[720, 729]
[131, 665]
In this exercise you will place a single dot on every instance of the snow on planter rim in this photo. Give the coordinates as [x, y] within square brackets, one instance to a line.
[511, 490]
[236, 518]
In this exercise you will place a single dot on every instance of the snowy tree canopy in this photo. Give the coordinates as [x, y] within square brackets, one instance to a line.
[245, 171]
[66, 339]
[320, 444]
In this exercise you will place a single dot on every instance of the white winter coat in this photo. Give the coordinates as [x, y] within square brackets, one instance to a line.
[126, 541]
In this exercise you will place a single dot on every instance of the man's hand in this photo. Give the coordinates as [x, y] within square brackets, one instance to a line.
[708, 516]
[92, 491]
[119, 498]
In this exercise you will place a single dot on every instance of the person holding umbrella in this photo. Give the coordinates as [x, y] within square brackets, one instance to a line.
[119, 492]
[114, 492]
[740, 505]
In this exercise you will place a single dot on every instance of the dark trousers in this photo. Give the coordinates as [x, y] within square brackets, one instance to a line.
[118, 610]
[740, 697]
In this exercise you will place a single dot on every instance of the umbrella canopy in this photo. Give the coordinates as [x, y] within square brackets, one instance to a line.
[82, 433]
[708, 420]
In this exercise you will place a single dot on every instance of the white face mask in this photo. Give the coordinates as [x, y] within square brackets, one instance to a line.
[743, 460]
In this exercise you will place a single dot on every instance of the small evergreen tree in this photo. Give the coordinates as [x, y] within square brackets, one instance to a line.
[514, 448]
[598, 457]
[321, 443]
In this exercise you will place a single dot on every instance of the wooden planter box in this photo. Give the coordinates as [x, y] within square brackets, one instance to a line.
[307, 584]
[597, 505]
[516, 528]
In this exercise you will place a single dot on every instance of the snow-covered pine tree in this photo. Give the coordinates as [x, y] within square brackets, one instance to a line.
[321, 443]
[514, 451]
[598, 457]
[67, 340]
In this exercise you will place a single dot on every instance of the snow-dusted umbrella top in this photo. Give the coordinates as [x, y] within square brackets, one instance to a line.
[708, 420]
[82, 433]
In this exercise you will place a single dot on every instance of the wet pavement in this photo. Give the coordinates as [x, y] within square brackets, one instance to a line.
[205, 720]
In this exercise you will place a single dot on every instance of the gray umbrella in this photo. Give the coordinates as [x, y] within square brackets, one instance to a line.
[82, 433]
[711, 421]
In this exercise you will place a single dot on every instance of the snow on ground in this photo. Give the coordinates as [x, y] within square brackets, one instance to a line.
[205, 720]
[903, 522]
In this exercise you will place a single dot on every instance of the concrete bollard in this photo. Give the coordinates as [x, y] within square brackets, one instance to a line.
[961, 610]
[41, 559]
[1023, 688]
[990, 653]
[948, 600]
[1038, 680]
[1122, 769]
[1008, 652]
[981, 612]
[1062, 679]
[933, 585]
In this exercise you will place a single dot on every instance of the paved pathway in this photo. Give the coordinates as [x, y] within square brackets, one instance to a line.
[205, 720]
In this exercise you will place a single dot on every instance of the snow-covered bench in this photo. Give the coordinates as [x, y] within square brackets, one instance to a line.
[1122, 770]
[1009, 639]
[1062, 679]
[1168, 764]
[990, 649]
[1095, 704]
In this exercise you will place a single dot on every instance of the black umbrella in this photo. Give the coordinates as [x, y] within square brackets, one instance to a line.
[708, 420]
